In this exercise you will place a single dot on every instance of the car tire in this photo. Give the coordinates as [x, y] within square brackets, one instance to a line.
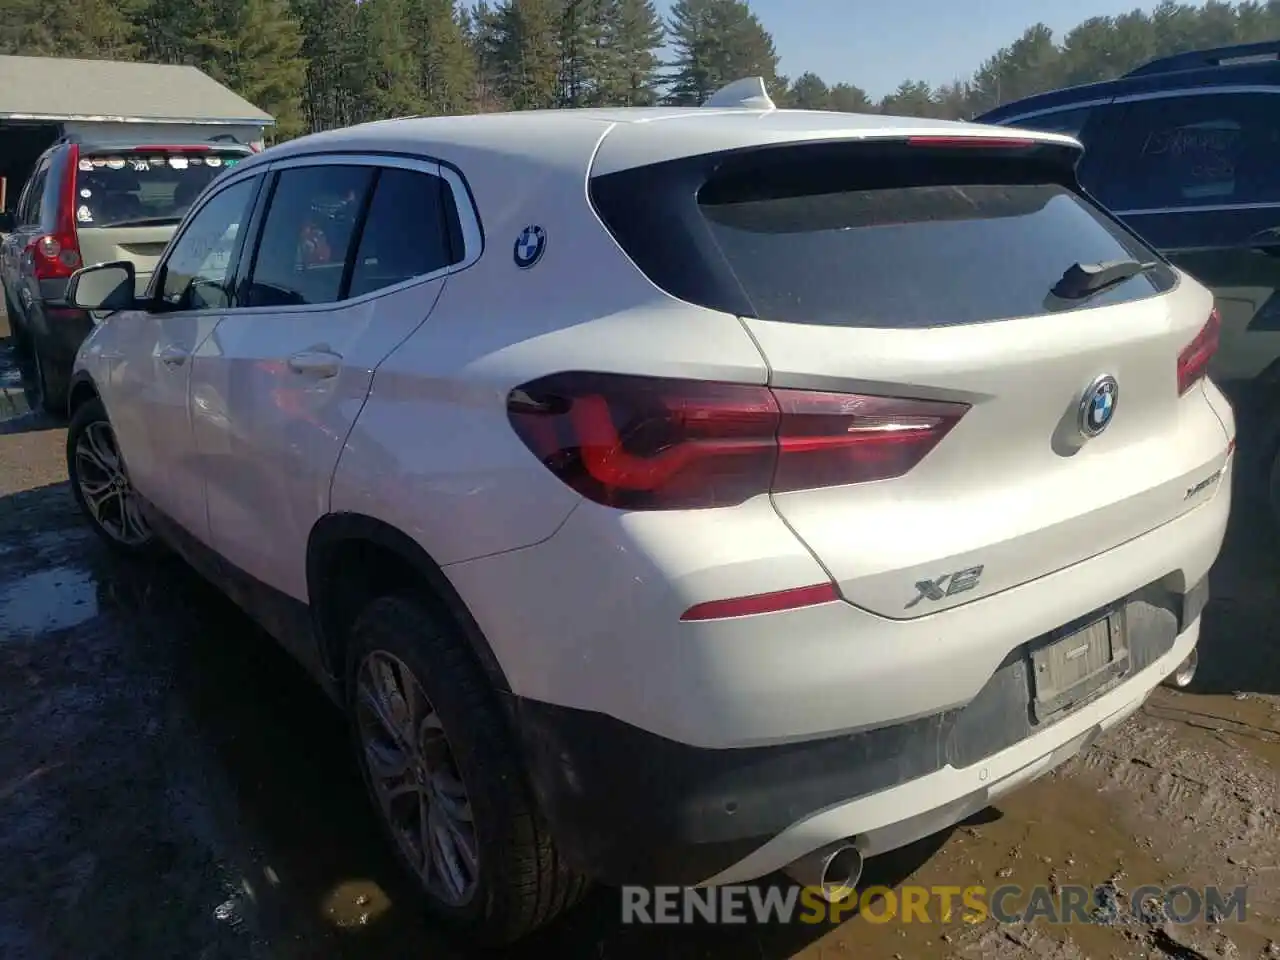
[464, 765]
[100, 484]
[53, 381]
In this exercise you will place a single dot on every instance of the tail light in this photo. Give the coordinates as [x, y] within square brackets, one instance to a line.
[1194, 359]
[641, 443]
[57, 255]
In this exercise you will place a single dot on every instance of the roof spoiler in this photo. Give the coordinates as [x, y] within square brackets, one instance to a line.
[1214, 57]
[749, 93]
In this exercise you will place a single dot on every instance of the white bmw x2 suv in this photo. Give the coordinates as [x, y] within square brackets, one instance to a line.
[672, 495]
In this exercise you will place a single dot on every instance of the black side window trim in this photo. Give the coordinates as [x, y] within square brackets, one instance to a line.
[357, 235]
[249, 256]
[248, 252]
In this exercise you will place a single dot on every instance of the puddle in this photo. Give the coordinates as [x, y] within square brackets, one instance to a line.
[48, 600]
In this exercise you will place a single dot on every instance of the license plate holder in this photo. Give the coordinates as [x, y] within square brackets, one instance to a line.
[1077, 664]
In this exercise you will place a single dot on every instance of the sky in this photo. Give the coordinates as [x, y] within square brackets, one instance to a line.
[877, 44]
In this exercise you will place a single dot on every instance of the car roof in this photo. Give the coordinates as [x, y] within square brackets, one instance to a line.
[1185, 72]
[532, 166]
[623, 137]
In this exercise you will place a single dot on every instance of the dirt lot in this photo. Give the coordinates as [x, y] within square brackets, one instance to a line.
[171, 786]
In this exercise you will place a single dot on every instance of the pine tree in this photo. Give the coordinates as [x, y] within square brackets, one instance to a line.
[186, 31]
[22, 33]
[97, 29]
[582, 54]
[847, 98]
[717, 42]
[633, 33]
[446, 63]
[391, 63]
[484, 36]
[89, 29]
[528, 45]
[333, 48]
[265, 64]
[809, 93]
[913, 98]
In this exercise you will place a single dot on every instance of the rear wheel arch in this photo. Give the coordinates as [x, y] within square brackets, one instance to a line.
[352, 559]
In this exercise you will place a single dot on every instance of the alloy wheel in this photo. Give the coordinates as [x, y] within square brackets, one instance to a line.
[105, 486]
[415, 779]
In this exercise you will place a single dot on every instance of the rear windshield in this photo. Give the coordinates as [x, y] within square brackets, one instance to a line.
[915, 243]
[144, 187]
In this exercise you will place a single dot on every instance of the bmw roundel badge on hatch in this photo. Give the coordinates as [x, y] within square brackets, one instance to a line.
[530, 246]
[1098, 405]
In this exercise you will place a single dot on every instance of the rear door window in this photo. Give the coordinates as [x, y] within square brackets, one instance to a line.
[144, 186]
[411, 231]
[34, 201]
[307, 235]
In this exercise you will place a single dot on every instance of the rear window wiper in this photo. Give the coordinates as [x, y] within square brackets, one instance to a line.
[1085, 279]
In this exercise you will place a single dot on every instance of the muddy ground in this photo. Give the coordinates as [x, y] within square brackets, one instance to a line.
[171, 786]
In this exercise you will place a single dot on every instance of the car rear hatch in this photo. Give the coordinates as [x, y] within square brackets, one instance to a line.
[922, 280]
[129, 199]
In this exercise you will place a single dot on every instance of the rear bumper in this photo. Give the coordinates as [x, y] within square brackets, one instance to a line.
[903, 814]
[61, 329]
[590, 619]
[628, 806]
[64, 331]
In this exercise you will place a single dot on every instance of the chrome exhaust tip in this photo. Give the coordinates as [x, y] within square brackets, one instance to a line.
[833, 870]
[1183, 677]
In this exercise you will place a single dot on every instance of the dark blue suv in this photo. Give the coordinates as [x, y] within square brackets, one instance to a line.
[1186, 151]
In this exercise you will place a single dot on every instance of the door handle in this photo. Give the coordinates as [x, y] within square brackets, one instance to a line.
[316, 363]
[173, 356]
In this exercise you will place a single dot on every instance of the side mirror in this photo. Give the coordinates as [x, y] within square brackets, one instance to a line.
[106, 287]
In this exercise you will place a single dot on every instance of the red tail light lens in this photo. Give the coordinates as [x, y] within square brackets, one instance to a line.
[1193, 361]
[57, 255]
[641, 443]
